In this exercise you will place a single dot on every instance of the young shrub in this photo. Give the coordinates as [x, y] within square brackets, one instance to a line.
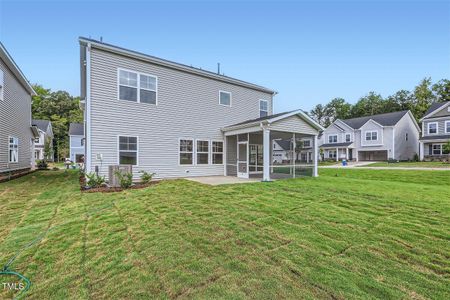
[42, 165]
[416, 157]
[125, 179]
[146, 177]
[94, 180]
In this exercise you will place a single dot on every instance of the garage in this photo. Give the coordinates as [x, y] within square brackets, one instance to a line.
[373, 155]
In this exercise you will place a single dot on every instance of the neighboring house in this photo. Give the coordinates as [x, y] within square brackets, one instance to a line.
[435, 132]
[176, 120]
[16, 132]
[283, 149]
[45, 135]
[379, 137]
[76, 141]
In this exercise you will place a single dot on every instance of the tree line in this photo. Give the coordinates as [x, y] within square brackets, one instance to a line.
[418, 101]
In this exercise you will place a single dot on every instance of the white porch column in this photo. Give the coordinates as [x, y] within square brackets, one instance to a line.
[337, 154]
[294, 154]
[346, 153]
[266, 154]
[316, 154]
[421, 151]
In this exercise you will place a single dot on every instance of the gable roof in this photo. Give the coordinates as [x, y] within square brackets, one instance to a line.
[274, 118]
[284, 144]
[11, 64]
[171, 64]
[435, 107]
[76, 129]
[387, 119]
[41, 124]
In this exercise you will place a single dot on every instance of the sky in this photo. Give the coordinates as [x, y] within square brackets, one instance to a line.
[308, 51]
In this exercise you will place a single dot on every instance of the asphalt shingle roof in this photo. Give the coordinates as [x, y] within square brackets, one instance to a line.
[41, 124]
[285, 144]
[76, 129]
[387, 119]
[336, 145]
[435, 137]
[434, 106]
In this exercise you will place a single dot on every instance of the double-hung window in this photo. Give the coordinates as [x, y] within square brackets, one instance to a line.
[137, 87]
[225, 98]
[263, 108]
[306, 143]
[202, 152]
[332, 153]
[217, 153]
[2, 85]
[371, 135]
[332, 138]
[348, 137]
[432, 128]
[447, 126]
[186, 152]
[437, 149]
[13, 152]
[128, 150]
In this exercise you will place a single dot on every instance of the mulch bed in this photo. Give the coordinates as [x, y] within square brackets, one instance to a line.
[5, 176]
[108, 189]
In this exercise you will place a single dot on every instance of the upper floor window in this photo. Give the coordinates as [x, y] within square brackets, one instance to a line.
[13, 152]
[406, 136]
[137, 87]
[263, 108]
[224, 98]
[348, 137]
[128, 150]
[371, 136]
[332, 138]
[2, 85]
[432, 128]
[306, 143]
[447, 126]
[36, 140]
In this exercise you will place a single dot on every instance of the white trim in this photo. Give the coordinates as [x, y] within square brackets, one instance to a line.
[87, 129]
[330, 135]
[393, 143]
[241, 174]
[440, 151]
[342, 122]
[9, 149]
[447, 126]
[436, 111]
[138, 87]
[137, 148]
[345, 137]
[267, 109]
[231, 98]
[316, 157]
[193, 151]
[2, 85]
[373, 122]
[223, 152]
[208, 152]
[437, 128]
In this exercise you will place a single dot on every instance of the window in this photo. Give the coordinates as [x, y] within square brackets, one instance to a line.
[225, 98]
[202, 152]
[2, 85]
[332, 138]
[186, 152]
[36, 140]
[82, 142]
[406, 136]
[217, 153]
[348, 137]
[432, 128]
[128, 150]
[13, 150]
[332, 154]
[447, 126]
[437, 149]
[306, 143]
[371, 135]
[137, 87]
[263, 108]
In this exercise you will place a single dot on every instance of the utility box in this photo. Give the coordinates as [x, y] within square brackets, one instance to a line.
[113, 178]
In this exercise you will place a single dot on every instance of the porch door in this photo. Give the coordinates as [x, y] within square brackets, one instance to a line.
[242, 163]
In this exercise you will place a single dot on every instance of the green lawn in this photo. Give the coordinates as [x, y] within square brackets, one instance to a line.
[425, 164]
[351, 233]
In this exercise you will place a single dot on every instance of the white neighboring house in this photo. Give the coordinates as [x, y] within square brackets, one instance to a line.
[45, 133]
[283, 149]
[435, 132]
[76, 140]
[176, 120]
[373, 138]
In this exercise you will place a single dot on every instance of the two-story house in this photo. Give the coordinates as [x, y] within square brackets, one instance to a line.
[16, 132]
[45, 138]
[435, 132]
[177, 120]
[283, 150]
[372, 138]
[76, 142]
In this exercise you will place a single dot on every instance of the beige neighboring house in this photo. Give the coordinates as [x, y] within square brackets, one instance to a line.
[435, 132]
[16, 131]
[45, 134]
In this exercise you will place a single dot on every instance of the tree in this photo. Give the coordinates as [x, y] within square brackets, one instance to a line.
[48, 152]
[446, 148]
[61, 109]
[371, 104]
[441, 89]
[318, 114]
[423, 96]
[337, 109]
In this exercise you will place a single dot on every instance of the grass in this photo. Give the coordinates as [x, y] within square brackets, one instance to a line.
[425, 164]
[351, 233]
[328, 163]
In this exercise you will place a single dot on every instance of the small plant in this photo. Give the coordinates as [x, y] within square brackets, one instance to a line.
[42, 165]
[416, 157]
[125, 179]
[95, 180]
[146, 177]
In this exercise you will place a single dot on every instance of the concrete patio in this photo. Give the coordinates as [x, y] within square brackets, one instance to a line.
[218, 180]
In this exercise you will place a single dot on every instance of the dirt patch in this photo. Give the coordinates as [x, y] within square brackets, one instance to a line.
[108, 189]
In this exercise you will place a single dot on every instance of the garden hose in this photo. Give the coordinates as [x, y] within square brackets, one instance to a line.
[7, 271]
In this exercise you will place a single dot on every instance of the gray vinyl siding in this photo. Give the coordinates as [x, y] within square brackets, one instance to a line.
[442, 113]
[441, 126]
[188, 107]
[15, 120]
[293, 124]
[405, 149]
